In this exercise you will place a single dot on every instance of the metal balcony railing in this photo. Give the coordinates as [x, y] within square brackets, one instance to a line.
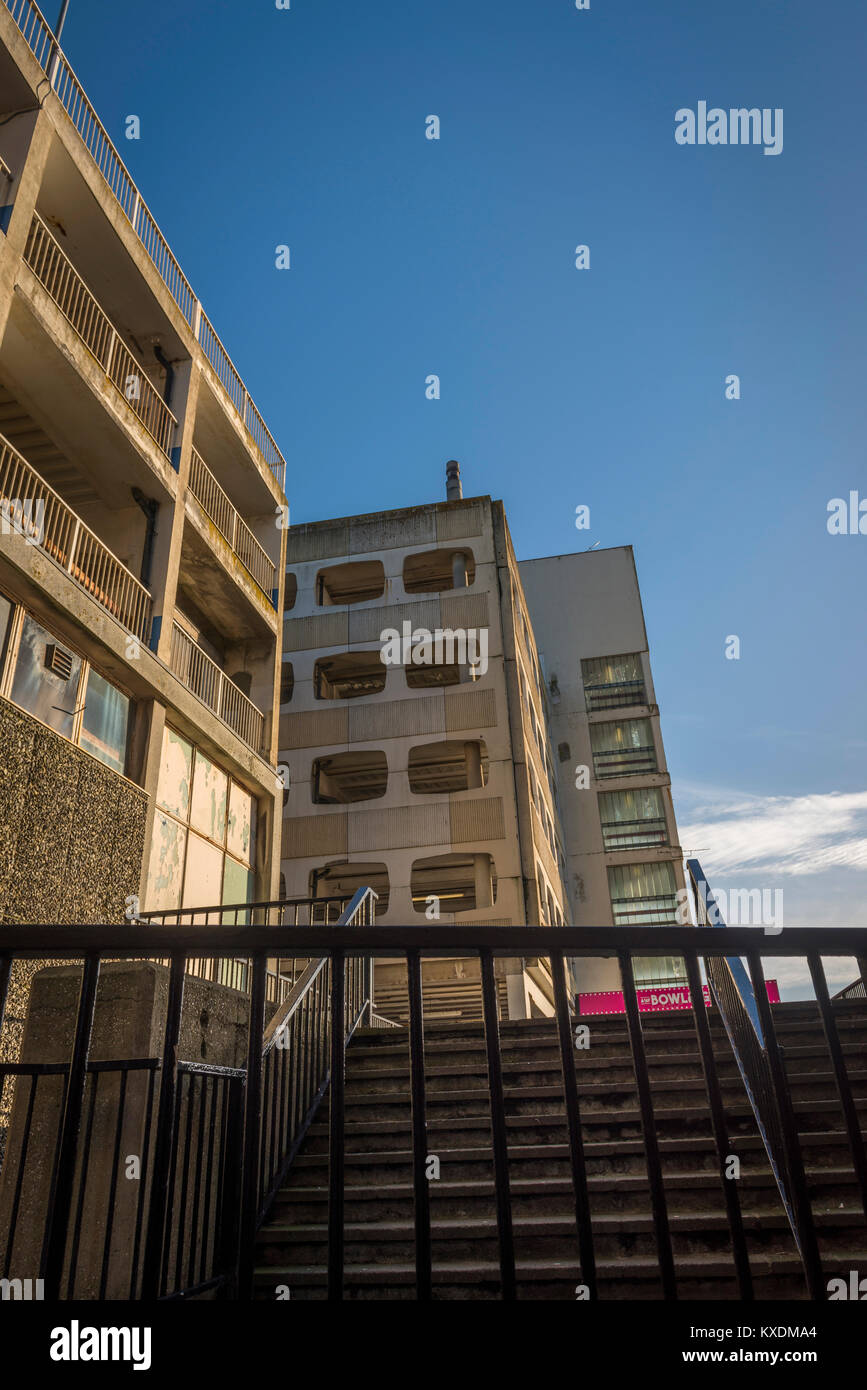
[195, 669]
[38, 35]
[614, 694]
[56, 273]
[643, 833]
[653, 909]
[33, 510]
[232, 527]
[622, 762]
[213, 1157]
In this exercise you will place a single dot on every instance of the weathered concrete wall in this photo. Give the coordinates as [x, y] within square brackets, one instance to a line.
[129, 1020]
[71, 843]
[72, 830]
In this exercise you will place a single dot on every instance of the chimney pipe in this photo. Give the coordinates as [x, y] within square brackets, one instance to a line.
[454, 491]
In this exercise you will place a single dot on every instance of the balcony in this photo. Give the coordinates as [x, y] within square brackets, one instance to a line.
[120, 185]
[624, 762]
[614, 695]
[645, 833]
[195, 669]
[40, 516]
[232, 527]
[59, 278]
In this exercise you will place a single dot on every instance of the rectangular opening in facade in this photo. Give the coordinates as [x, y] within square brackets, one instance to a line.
[623, 748]
[454, 766]
[342, 879]
[356, 582]
[633, 819]
[611, 682]
[643, 894]
[433, 571]
[346, 777]
[457, 882]
[347, 675]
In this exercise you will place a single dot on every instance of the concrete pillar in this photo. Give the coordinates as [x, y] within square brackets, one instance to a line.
[482, 880]
[473, 761]
[459, 570]
[170, 518]
[26, 145]
[516, 996]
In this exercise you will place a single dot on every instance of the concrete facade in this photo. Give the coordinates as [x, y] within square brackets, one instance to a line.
[432, 785]
[616, 798]
[152, 576]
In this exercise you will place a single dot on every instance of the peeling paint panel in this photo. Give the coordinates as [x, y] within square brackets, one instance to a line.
[176, 772]
[203, 878]
[240, 840]
[166, 871]
[238, 888]
[208, 809]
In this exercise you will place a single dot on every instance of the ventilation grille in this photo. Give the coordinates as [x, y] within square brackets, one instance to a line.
[58, 661]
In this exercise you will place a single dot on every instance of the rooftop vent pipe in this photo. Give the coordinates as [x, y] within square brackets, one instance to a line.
[454, 491]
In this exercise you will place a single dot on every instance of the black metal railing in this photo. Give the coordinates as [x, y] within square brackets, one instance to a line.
[623, 762]
[640, 833]
[614, 694]
[196, 1223]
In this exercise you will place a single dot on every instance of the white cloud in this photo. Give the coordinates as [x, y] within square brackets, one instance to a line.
[777, 835]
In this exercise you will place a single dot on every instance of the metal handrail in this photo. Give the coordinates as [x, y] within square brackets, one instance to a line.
[209, 683]
[740, 1010]
[40, 39]
[231, 525]
[58, 276]
[39, 514]
[296, 1052]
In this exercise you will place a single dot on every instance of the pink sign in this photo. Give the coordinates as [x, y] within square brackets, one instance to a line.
[653, 999]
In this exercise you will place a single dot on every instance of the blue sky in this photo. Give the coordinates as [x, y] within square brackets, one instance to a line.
[605, 387]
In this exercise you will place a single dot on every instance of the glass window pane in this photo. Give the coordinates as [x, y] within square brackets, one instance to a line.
[48, 693]
[105, 722]
[173, 789]
[203, 876]
[166, 871]
[5, 619]
[237, 888]
[241, 835]
[208, 807]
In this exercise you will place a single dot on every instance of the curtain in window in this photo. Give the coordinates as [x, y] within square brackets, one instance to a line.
[611, 670]
[641, 880]
[644, 803]
[627, 733]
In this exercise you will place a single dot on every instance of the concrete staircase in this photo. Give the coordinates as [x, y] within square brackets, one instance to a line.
[379, 1203]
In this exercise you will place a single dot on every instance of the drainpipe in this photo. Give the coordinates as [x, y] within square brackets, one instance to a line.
[169, 371]
[150, 507]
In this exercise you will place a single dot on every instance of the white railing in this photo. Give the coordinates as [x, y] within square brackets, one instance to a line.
[56, 273]
[38, 36]
[32, 509]
[231, 525]
[195, 669]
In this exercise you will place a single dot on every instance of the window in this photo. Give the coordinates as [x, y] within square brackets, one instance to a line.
[440, 768]
[52, 682]
[633, 819]
[105, 722]
[643, 894]
[290, 590]
[348, 675]
[612, 681]
[622, 748]
[346, 777]
[460, 882]
[204, 836]
[287, 682]
[358, 582]
[342, 880]
[435, 570]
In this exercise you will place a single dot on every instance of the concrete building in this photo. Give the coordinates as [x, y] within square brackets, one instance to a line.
[142, 541]
[623, 860]
[424, 770]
